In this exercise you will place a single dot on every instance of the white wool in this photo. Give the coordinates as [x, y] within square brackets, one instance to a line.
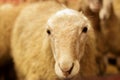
[67, 11]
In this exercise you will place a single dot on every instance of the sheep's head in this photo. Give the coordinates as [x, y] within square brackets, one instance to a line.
[67, 31]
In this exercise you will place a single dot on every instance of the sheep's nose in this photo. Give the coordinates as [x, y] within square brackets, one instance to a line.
[67, 69]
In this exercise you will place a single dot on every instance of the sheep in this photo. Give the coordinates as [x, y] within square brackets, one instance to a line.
[5, 12]
[98, 11]
[8, 14]
[111, 28]
[3, 46]
[98, 6]
[108, 39]
[53, 44]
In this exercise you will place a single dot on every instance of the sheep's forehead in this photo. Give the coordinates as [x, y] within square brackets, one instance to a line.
[67, 18]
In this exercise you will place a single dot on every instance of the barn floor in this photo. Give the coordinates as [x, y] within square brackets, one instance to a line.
[7, 72]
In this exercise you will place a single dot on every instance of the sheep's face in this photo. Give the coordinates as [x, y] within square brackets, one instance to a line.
[94, 5]
[67, 31]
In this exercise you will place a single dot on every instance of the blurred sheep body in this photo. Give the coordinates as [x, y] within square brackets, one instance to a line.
[8, 14]
[107, 27]
[32, 52]
[111, 30]
[98, 11]
[102, 7]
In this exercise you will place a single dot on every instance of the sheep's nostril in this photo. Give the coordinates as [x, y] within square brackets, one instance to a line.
[67, 71]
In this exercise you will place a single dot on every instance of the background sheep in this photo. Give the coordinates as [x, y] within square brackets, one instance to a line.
[35, 52]
[110, 28]
[103, 7]
[8, 14]
[100, 13]
[111, 31]
[108, 40]
[92, 9]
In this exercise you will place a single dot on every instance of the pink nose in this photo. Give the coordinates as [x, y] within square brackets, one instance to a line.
[66, 69]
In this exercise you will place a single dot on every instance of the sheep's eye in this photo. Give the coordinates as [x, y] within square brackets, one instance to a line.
[85, 29]
[48, 31]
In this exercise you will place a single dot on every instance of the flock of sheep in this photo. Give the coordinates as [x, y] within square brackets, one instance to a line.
[59, 39]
